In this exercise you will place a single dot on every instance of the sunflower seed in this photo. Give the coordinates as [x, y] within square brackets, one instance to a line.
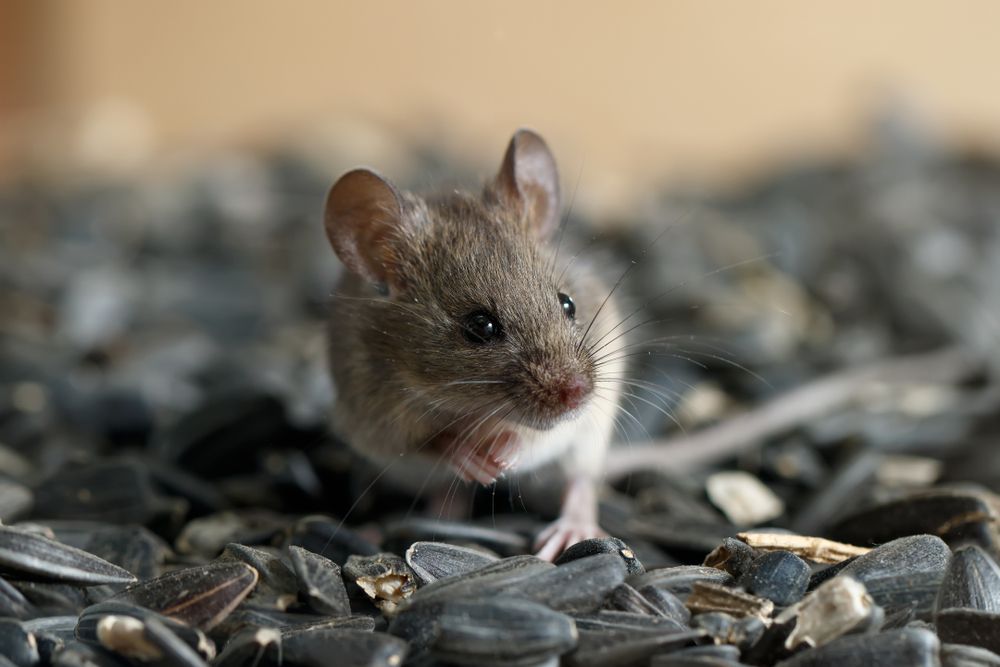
[170, 645]
[250, 647]
[30, 554]
[18, 644]
[494, 631]
[200, 596]
[958, 517]
[779, 576]
[969, 626]
[345, 648]
[320, 582]
[914, 647]
[121, 627]
[904, 573]
[972, 581]
[277, 586]
[431, 561]
[958, 655]
[486, 580]
[626, 598]
[12, 601]
[603, 545]
[666, 603]
[578, 586]
[733, 556]
[599, 650]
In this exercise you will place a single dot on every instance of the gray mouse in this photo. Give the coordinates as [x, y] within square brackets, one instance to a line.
[458, 346]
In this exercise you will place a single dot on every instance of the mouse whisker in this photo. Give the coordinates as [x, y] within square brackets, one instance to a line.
[684, 283]
[666, 413]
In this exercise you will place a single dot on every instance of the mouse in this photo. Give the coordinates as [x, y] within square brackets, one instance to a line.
[462, 349]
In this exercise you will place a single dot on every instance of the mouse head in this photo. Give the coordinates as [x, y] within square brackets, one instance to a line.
[466, 308]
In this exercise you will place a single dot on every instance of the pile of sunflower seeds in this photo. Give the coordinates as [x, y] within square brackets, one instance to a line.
[170, 494]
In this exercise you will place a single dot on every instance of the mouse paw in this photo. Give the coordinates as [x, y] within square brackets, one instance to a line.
[563, 533]
[484, 460]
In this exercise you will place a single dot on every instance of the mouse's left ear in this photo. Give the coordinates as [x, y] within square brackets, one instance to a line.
[529, 181]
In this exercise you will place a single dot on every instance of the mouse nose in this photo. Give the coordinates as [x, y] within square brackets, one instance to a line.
[573, 391]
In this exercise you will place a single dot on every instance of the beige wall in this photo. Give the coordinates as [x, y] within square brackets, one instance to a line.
[623, 89]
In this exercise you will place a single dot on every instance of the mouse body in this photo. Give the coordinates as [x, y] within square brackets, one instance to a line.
[459, 344]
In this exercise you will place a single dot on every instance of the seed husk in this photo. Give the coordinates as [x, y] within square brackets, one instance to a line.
[30, 554]
[710, 597]
[834, 609]
[200, 596]
[815, 549]
[385, 578]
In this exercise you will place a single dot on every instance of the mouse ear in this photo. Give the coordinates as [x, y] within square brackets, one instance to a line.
[529, 181]
[363, 211]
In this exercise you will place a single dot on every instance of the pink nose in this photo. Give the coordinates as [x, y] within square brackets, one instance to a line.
[574, 391]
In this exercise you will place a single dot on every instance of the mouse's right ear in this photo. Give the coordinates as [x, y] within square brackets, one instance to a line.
[363, 212]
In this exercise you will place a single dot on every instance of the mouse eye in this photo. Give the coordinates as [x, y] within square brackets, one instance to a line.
[569, 308]
[481, 327]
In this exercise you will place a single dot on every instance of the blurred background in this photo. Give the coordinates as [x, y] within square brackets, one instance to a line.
[628, 95]
[826, 173]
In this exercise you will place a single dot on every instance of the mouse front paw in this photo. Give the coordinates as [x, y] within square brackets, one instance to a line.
[483, 460]
[563, 533]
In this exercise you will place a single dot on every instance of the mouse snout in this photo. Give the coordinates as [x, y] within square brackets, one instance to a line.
[573, 391]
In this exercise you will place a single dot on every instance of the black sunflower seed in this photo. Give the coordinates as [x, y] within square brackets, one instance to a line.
[200, 596]
[486, 631]
[969, 626]
[578, 586]
[959, 655]
[972, 581]
[779, 576]
[603, 545]
[250, 647]
[17, 644]
[344, 648]
[320, 582]
[121, 627]
[903, 574]
[914, 647]
[277, 586]
[431, 561]
[36, 556]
